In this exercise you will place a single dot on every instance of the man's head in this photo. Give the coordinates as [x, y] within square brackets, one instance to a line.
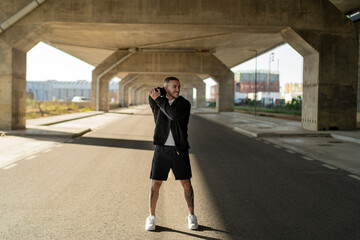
[172, 87]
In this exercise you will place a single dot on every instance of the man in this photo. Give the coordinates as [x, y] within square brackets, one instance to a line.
[171, 115]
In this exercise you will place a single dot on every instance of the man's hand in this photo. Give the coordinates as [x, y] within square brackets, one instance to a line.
[154, 93]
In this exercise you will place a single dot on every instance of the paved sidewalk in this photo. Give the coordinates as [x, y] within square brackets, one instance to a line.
[340, 149]
[63, 125]
[44, 133]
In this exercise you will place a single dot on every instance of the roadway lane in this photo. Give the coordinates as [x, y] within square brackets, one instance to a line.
[266, 192]
[96, 187]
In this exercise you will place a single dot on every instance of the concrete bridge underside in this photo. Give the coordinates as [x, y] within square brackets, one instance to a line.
[148, 81]
[188, 38]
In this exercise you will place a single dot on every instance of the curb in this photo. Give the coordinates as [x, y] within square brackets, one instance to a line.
[67, 120]
[345, 138]
[310, 154]
[60, 135]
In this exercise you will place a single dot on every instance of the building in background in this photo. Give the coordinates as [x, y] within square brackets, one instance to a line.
[268, 87]
[293, 90]
[266, 82]
[52, 90]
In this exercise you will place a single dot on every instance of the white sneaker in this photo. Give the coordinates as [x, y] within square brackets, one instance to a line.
[150, 223]
[192, 222]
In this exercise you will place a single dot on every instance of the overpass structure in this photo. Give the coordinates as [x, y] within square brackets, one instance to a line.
[141, 41]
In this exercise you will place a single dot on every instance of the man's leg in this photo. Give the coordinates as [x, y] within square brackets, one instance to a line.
[154, 195]
[189, 194]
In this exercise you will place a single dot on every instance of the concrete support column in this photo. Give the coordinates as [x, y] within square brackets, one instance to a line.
[188, 94]
[138, 94]
[124, 89]
[146, 96]
[142, 96]
[127, 96]
[12, 88]
[142, 93]
[200, 95]
[132, 97]
[329, 82]
[225, 85]
[185, 63]
[101, 77]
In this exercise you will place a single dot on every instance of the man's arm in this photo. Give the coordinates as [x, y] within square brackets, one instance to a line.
[175, 111]
[152, 102]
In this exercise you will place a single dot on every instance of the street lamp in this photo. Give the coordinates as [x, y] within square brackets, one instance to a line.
[271, 59]
[255, 90]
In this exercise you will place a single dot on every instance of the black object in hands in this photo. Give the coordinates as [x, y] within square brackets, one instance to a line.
[162, 91]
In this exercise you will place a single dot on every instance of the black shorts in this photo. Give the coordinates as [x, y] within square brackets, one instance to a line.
[166, 157]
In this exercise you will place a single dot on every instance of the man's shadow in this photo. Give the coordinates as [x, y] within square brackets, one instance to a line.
[200, 229]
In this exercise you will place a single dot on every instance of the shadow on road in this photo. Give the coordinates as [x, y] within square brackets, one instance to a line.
[201, 229]
[116, 143]
[264, 192]
[131, 113]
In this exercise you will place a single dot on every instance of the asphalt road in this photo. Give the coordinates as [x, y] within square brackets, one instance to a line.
[96, 187]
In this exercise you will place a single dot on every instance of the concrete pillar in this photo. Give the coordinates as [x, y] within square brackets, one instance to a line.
[142, 96]
[188, 63]
[132, 96]
[12, 88]
[200, 95]
[184, 92]
[145, 96]
[141, 93]
[188, 94]
[101, 77]
[187, 84]
[138, 96]
[124, 89]
[329, 78]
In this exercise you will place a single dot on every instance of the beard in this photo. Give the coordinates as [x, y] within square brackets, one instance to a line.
[173, 94]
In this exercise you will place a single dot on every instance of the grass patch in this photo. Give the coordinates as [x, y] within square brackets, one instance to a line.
[250, 109]
[38, 109]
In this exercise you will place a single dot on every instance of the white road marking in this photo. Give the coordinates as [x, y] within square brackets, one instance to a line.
[289, 151]
[69, 141]
[47, 150]
[276, 146]
[10, 166]
[329, 167]
[307, 158]
[354, 176]
[29, 158]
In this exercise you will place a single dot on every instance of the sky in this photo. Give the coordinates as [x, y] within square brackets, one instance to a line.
[45, 62]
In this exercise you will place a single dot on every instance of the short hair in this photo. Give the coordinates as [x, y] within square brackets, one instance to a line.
[168, 79]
